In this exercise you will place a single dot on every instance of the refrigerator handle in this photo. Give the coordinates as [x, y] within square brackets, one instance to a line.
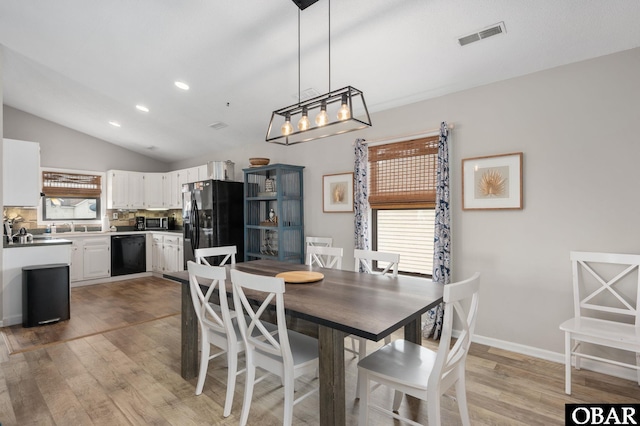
[195, 229]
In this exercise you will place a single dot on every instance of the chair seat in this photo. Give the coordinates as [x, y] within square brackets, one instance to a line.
[595, 330]
[303, 348]
[403, 361]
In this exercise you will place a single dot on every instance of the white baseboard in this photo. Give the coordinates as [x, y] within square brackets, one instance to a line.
[110, 279]
[587, 364]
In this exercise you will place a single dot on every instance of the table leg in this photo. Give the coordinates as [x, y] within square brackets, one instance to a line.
[189, 336]
[332, 389]
[413, 331]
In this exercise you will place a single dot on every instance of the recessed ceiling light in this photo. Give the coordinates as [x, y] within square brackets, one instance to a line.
[142, 108]
[114, 123]
[181, 85]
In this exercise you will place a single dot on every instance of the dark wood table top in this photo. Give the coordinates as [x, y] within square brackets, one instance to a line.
[367, 305]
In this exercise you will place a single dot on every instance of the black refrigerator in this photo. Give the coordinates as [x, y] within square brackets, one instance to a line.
[212, 216]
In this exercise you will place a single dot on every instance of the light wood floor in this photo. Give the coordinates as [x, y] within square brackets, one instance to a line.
[131, 376]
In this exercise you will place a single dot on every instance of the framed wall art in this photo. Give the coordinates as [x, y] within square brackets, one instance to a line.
[337, 193]
[493, 182]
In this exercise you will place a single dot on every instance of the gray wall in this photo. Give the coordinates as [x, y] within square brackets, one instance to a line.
[62, 147]
[577, 126]
[1, 182]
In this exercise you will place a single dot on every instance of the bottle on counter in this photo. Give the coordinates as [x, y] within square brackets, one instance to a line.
[105, 223]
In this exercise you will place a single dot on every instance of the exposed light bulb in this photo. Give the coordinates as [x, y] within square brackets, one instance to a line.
[322, 118]
[142, 108]
[287, 128]
[343, 112]
[181, 85]
[304, 123]
[114, 123]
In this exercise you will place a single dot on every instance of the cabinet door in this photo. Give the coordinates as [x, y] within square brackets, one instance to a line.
[193, 174]
[117, 189]
[136, 190]
[96, 259]
[173, 190]
[154, 190]
[21, 173]
[76, 265]
[156, 254]
[171, 258]
[202, 172]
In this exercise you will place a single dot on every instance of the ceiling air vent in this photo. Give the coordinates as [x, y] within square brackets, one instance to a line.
[493, 30]
[218, 125]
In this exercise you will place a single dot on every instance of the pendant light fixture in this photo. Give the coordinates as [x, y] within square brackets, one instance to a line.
[336, 112]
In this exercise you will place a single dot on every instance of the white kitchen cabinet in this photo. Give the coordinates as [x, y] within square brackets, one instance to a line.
[173, 190]
[154, 190]
[96, 258]
[21, 173]
[76, 265]
[90, 257]
[167, 253]
[125, 190]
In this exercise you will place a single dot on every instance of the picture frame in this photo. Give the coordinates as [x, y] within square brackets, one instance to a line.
[337, 193]
[492, 182]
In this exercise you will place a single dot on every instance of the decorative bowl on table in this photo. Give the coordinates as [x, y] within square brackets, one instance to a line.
[258, 161]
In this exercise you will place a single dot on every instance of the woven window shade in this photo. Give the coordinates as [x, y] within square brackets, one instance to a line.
[58, 184]
[403, 174]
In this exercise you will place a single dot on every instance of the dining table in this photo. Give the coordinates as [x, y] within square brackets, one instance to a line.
[341, 303]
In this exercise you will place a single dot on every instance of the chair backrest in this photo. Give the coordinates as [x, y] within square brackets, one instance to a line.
[229, 253]
[324, 257]
[606, 285]
[215, 278]
[255, 334]
[319, 241]
[365, 258]
[461, 302]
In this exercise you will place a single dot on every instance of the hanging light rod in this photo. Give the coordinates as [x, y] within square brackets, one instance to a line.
[334, 113]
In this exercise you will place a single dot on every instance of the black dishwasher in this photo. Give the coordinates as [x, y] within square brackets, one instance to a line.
[128, 254]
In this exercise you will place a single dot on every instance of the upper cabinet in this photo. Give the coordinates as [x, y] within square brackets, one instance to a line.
[135, 190]
[21, 173]
[125, 190]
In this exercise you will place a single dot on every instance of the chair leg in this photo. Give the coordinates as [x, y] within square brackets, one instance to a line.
[205, 347]
[567, 363]
[353, 346]
[461, 396]
[232, 369]
[288, 399]
[397, 400]
[433, 407]
[248, 392]
[638, 365]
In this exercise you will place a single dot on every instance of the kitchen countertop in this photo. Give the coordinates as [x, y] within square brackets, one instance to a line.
[38, 242]
[61, 237]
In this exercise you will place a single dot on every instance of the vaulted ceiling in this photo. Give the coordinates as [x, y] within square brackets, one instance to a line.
[85, 63]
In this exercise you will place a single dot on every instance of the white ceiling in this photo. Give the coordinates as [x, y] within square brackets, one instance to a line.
[83, 63]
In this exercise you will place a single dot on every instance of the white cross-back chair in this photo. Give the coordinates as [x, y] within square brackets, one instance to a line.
[387, 263]
[229, 253]
[216, 325]
[285, 353]
[414, 370]
[324, 257]
[606, 297]
[319, 242]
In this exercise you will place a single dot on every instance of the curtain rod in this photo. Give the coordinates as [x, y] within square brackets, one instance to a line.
[394, 139]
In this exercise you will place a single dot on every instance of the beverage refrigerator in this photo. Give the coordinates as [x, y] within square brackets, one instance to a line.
[212, 216]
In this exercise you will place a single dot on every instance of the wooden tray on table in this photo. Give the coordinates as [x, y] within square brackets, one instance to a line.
[300, 277]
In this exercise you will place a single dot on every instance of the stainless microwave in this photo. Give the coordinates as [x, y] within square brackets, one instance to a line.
[157, 223]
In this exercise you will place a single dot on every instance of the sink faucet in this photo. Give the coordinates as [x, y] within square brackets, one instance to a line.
[72, 227]
[85, 228]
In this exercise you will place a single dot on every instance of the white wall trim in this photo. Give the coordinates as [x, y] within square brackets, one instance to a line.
[587, 364]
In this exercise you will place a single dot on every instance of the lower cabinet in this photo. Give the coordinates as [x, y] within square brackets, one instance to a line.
[166, 253]
[90, 258]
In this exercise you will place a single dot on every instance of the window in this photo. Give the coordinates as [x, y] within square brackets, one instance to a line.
[402, 192]
[71, 196]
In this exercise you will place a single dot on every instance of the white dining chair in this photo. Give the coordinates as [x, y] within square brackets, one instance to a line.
[324, 257]
[216, 325]
[412, 369]
[229, 253]
[387, 263]
[285, 353]
[318, 242]
[603, 284]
